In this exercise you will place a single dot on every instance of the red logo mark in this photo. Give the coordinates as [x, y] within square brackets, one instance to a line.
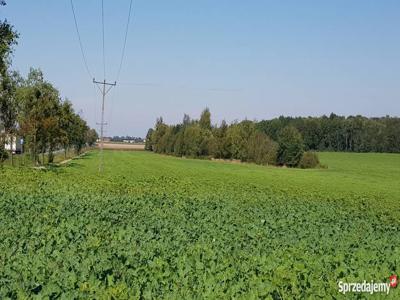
[393, 281]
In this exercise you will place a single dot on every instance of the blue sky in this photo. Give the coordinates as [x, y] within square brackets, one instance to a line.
[242, 59]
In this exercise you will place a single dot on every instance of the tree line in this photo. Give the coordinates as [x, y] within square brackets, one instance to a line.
[31, 108]
[339, 133]
[281, 141]
[242, 141]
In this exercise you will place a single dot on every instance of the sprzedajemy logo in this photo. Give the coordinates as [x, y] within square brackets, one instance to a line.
[368, 287]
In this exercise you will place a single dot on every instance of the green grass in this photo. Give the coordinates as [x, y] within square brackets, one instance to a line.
[25, 160]
[154, 226]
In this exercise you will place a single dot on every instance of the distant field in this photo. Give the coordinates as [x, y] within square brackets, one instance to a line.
[156, 226]
[122, 146]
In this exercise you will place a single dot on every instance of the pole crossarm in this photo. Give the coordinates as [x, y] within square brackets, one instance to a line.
[104, 82]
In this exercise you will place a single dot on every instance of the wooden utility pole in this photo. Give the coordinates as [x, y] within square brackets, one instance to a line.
[104, 92]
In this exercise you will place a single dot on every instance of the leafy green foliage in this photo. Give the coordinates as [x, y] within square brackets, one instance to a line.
[154, 227]
[148, 146]
[198, 138]
[290, 147]
[339, 133]
[48, 122]
[91, 137]
[8, 38]
[309, 160]
[205, 119]
[261, 149]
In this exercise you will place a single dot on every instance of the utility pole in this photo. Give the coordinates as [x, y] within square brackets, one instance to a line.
[104, 92]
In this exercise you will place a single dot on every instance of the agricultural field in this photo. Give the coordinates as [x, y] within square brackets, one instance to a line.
[154, 226]
[123, 146]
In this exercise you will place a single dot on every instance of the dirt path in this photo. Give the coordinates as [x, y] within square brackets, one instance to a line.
[68, 160]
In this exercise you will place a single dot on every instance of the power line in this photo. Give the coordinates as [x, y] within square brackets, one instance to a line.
[125, 39]
[104, 55]
[103, 91]
[80, 41]
[94, 104]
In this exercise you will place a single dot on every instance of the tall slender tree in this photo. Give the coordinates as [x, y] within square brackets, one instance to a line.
[8, 105]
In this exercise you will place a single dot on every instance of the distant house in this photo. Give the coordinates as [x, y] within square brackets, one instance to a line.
[128, 141]
[14, 144]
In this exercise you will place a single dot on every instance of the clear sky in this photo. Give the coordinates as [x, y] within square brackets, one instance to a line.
[242, 59]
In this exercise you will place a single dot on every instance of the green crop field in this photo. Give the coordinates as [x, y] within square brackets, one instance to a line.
[153, 226]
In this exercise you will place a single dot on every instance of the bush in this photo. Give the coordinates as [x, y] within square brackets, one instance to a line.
[290, 147]
[261, 149]
[309, 160]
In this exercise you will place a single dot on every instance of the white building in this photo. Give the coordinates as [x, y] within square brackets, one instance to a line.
[15, 146]
[13, 143]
